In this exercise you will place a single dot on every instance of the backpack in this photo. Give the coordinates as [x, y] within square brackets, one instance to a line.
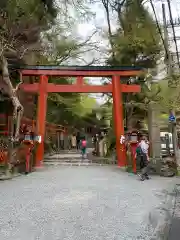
[139, 151]
[83, 143]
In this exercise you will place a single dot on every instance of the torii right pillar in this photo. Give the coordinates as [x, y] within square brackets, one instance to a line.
[118, 120]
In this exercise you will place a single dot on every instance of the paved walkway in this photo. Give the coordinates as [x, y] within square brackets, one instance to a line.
[79, 203]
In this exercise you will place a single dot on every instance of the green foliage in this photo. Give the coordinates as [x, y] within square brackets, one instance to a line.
[69, 110]
[62, 46]
[137, 41]
[28, 12]
[59, 47]
[21, 25]
[85, 106]
[170, 93]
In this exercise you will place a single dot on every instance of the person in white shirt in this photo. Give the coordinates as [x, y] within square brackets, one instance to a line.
[144, 146]
[73, 141]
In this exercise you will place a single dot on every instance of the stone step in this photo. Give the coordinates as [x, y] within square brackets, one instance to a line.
[56, 164]
[66, 164]
[75, 158]
[65, 160]
[63, 156]
[62, 152]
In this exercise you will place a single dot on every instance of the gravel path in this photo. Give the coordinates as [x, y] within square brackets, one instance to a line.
[174, 232]
[80, 203]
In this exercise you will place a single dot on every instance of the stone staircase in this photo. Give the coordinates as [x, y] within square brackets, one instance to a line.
[66, 157]
[74, 158]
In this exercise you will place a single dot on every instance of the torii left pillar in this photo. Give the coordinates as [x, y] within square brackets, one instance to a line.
[41, 118]
[118, 120]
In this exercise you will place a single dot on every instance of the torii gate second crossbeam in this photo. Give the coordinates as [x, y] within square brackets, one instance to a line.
[116, 87]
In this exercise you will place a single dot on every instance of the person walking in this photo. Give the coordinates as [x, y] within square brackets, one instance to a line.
[144, 162]
[78, 140]
[73, 141]
[62, 140]
[94, 144]
[97, 144]
[139, 157]
[69, 142]
[83, 145]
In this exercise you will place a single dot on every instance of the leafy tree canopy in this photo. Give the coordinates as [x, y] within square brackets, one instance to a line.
[137, 41]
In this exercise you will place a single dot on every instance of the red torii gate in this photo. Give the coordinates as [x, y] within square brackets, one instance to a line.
[117, 88]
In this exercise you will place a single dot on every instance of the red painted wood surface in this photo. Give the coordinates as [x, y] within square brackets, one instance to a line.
[118, 120]
[41, 118]
[79, 88]
[3, 156]
[79, 80]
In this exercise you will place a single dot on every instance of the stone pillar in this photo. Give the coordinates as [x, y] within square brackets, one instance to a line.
[154, 130]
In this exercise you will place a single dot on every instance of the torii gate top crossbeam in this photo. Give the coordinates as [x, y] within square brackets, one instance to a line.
[86, 71]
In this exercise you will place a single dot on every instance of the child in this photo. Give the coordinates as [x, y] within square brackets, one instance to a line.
[83, 147]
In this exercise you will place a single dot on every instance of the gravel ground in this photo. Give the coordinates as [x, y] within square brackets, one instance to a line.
[175, 224]
[80, 203]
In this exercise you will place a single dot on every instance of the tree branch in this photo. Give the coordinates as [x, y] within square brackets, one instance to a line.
[18, 108]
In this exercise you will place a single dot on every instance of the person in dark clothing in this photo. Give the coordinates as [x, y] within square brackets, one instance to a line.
[94, 144]
[62, 140]
[78, 140]
[139, 157]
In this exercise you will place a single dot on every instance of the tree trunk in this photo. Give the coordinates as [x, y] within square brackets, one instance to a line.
[12, 93]
[106, 6]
